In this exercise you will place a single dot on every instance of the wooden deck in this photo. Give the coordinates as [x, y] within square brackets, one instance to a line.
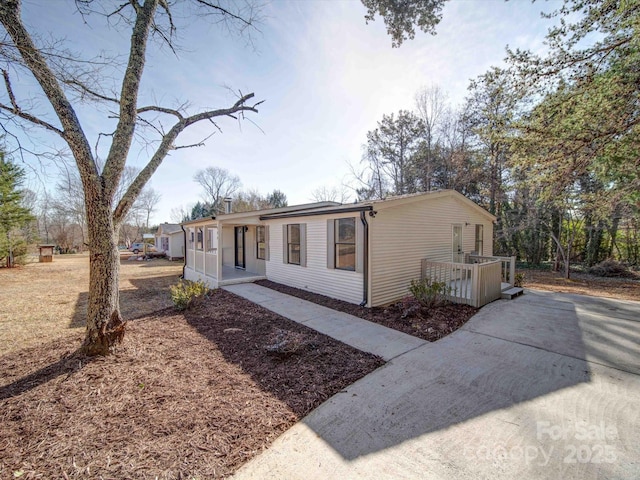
[474, 284]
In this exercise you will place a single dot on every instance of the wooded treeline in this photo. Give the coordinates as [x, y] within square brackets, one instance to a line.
[62, 219]
[550, 145]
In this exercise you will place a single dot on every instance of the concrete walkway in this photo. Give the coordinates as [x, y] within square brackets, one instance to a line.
[361, 334]
[544, 386]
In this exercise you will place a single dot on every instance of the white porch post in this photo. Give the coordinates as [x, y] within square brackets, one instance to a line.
[219, 253]
[512, 271]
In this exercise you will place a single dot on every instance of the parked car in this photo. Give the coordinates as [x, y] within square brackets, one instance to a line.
[139, 247]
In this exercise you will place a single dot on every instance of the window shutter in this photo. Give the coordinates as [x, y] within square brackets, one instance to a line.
[266, 241]
[303, 244]
[284, 244]
[331, 244]
[359, 245]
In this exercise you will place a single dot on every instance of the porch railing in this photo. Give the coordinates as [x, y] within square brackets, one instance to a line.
[474, 284]
[508, 267]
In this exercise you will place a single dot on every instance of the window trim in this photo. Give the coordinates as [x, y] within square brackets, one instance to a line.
[290, 243]
[262, 228]
[337, 242]
[285, 243]
[331, 246]
[479, 240]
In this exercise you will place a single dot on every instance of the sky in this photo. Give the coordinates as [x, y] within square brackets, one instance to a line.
[326, 78]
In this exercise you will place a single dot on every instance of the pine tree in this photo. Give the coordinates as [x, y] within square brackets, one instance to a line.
[13, 215]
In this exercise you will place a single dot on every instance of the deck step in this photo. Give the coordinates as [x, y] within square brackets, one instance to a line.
[511, 293]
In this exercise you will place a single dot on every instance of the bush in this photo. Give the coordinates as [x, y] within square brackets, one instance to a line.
[519, 280]
[611, 268]
[186, 293]
[428, 293]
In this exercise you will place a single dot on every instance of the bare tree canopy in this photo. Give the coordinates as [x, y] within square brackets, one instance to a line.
[340, 194]
[217, 184]
[66, 80]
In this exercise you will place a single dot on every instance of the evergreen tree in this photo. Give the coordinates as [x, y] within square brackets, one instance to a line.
[13, 215]
[277, 199]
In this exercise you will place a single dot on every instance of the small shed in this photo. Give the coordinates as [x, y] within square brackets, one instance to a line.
[46, 252]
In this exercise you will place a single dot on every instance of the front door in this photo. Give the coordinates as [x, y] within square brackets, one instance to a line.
[458, 256]
[239, 247]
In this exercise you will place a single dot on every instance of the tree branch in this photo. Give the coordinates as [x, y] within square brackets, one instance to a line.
[34, 60]
[84, 89]
[168, 111]
[224, 11]
[167, 144]
[16, 110]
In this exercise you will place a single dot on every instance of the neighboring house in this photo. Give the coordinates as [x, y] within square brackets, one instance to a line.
[364, 253]
[170, 240]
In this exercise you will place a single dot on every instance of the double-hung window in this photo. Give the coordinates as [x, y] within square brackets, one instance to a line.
[293, 243]
[261, 243]
[345, 243]
[479, 239]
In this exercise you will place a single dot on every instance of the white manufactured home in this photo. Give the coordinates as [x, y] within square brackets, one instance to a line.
[364, 253]
[170, 240]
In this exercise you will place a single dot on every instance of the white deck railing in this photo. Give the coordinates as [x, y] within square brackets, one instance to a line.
[474, 284]
[508, 268]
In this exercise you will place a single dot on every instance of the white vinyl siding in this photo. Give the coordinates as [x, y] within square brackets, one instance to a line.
[401, 236]
[171, 244]
[176, 245]
[316, 277]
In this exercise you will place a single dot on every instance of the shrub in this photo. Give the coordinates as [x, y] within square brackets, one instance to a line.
[611, 268]
[428, 293]
[519, 280]
[185, 293]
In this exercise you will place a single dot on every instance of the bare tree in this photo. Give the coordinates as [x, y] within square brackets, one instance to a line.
[217, 184]
[338, 194]
[249, 201]
[69, 203]
[431, 103]
[65, 79]
[180, 214]
[146, 203]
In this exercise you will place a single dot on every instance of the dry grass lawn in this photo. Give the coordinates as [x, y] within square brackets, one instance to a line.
[43, 301]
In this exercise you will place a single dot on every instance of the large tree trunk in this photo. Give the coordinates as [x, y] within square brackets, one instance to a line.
[105, 327]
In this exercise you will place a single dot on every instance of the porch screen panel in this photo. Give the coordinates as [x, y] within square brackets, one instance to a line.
[212, 240]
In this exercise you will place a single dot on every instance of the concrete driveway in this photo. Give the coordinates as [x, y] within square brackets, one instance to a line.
[544, 386]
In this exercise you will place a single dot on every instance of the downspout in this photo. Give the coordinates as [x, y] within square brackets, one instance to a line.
[184, 264]
[365, 263]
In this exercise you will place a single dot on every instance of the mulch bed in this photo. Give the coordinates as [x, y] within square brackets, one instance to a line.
[405, 316]
[189, 395]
